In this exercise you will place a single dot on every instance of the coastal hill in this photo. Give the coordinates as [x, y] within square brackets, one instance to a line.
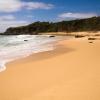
[79, 25]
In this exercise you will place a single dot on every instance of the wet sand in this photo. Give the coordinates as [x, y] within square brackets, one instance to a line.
[70, 72]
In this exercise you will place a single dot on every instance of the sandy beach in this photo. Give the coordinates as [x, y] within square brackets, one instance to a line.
[70, 72]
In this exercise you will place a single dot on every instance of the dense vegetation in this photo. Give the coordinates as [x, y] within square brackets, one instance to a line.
[89, 24]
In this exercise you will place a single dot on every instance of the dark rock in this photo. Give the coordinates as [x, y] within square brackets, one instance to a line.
[90, 42]
[92, 38]
[51, 36]
[79, 36]
[25, 40]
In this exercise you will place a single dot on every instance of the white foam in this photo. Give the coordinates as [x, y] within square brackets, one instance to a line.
[14, 47]
[2, 66]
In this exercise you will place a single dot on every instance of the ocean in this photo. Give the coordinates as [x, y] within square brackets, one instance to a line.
[13, 47]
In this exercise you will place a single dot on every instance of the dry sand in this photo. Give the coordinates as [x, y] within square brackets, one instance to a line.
[70, 72]
[74, 33]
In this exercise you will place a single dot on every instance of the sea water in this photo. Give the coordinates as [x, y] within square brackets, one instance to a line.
[16, 46]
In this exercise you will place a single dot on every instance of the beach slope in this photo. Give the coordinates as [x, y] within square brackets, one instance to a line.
[70, 72]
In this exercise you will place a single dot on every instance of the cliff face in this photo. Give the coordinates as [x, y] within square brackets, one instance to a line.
[90, 24]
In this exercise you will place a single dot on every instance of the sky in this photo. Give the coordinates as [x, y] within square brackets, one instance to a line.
[23, 12]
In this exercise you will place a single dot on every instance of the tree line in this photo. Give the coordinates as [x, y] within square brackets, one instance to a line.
[78, 25]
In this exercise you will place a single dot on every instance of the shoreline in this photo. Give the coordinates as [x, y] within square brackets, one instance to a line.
[57, 46]
[70, 72]
[48, 46]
